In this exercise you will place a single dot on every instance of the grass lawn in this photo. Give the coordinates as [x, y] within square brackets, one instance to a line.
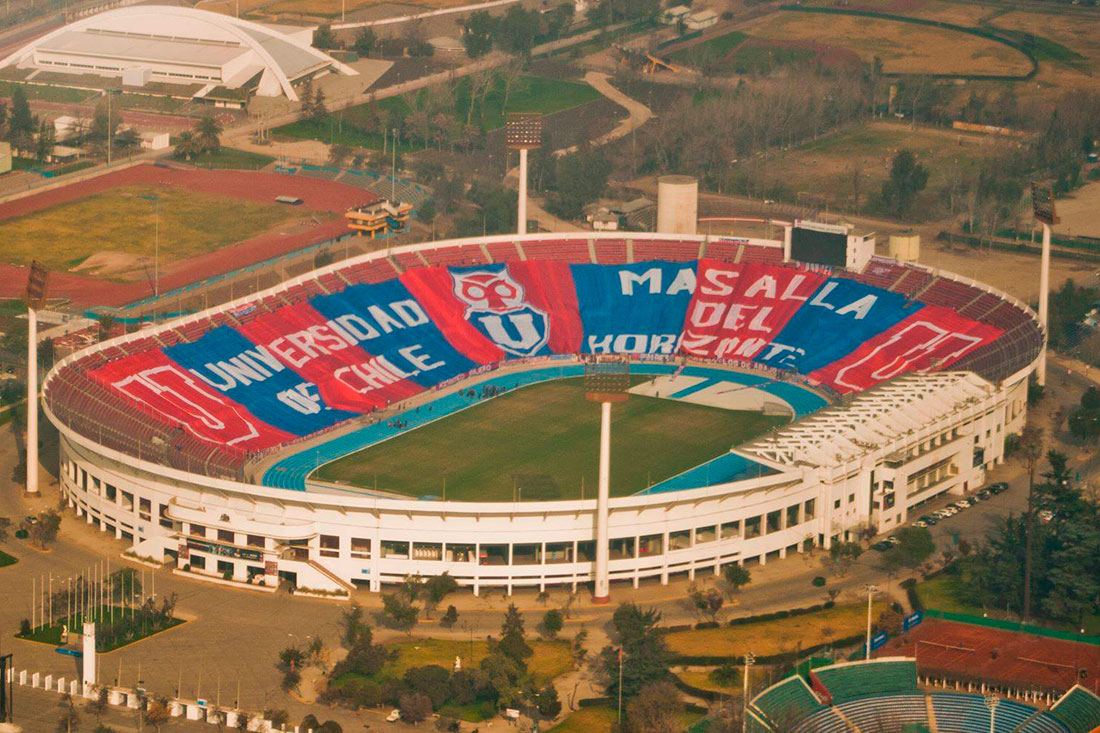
[6, 559]
[52, 634]
[773, 637]
[46, 93]
[716, 47]
[543, 439]
[700, 678]
[359, 127]
[233, 158]
[551, 658]
[587, 720]
[473, 713]
[121, 221]
[598, 719]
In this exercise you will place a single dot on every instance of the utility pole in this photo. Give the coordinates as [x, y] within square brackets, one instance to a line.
[750, 659]
[871, 590]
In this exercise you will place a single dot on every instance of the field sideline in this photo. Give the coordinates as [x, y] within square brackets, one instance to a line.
[539, 443]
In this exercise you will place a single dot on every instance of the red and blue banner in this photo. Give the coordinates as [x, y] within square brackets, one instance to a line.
[307, 366]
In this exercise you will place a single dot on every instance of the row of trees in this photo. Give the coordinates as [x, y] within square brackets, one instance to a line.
[1040, 562]
[515, 32]
[205, 138]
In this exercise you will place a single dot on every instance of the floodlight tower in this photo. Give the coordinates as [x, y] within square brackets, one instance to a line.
[1042, 207]
[34, 297]
[605, 381]
[523, 132]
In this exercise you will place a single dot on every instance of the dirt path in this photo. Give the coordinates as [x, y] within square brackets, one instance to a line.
[639, 114]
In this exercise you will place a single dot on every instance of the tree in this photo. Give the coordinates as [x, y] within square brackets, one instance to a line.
[157, 714]
[44, 142]
[1029, 451]
[450, 617]
[547, 702]
[338, 154]
[365, 41]
[105, 122]
[69, 718]
[645, 658]
[323, 37]
[398, 612]
[22, 121]
[352, 621]
[477, 33]
[552, 622]
[186, 145]
[44, 532]
[513, 638]
[364, 656]
[208, 135]
[655, 709]
[415, 707]
[290, 662]
[430, 680]
[907, 179]
[737, 576]
[581, 179]
[127, 139]
[842, 555]
[915, 545]
[436, 588]
[516, 31]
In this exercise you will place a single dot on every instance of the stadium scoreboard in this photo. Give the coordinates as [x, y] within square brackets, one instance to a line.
[819, 244]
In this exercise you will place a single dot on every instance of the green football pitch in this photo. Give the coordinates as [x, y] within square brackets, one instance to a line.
[541, 443]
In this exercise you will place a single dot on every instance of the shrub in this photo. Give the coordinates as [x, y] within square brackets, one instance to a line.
[818, 581]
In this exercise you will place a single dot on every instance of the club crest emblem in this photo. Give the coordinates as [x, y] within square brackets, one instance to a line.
[496, 305]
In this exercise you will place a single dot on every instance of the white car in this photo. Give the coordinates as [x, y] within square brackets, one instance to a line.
[394, 716]
[920, 523]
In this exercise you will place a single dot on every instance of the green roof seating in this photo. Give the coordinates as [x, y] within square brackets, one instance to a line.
[1079, 709]
[877, 677]
[786, 702]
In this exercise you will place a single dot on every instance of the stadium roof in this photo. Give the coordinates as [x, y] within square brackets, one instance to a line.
[157, 34]
[873, 421]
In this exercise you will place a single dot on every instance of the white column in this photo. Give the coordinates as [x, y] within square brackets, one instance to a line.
[787, 243]
[1044, 296]
[32, 402]
[521, 224]
[603, 549]
[88, 660]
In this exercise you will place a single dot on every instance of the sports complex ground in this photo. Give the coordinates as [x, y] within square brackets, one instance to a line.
[212, 222]
[539, 443]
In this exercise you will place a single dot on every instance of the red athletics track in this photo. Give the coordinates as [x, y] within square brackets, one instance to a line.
[968, 651]
[316, 195]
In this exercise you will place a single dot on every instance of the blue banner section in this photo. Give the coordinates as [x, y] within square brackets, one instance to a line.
[840, 316]
[633, 309]
[879, 640]
[388, 322]
[912, 620]
[251, 376]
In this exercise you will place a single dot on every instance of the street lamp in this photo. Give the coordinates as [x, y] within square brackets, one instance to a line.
[750, 659]
[156, 241]
[991, 702]
[871, 590]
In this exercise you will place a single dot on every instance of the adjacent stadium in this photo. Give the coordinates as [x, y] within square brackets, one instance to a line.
[422, 410]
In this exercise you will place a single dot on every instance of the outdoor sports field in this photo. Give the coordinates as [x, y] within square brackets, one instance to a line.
[541, 442]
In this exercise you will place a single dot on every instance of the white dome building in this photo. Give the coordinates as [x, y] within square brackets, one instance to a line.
[218, 56]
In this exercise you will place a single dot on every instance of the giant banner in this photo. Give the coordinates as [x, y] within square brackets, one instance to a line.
[738, 309]
[633, 309]
[177, 397]
[931, 339]
[837, 318]
[254, 377]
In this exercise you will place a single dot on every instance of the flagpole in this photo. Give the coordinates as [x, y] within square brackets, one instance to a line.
[620, 719]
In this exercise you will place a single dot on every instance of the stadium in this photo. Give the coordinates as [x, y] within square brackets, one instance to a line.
[398, 412]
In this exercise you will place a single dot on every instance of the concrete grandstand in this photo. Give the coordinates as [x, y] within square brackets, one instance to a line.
[177, 50]
[168, 435]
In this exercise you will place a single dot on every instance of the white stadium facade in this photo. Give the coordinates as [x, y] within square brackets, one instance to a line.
[180, 47]
[929, 422]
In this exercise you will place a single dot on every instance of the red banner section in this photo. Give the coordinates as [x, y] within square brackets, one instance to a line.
[326, 353]
[931, 339]
[549, 287]
[179, 398]
[433, 288]
[738, 309]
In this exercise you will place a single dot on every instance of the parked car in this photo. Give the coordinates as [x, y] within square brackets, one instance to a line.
[998, 487]
[394, 716]
[920, 523]
[929, 520]
[881, 546]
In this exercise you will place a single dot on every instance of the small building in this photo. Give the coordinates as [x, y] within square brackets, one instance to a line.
[447, 46]
[63, 154]
[675, 14]
[154, 140]
[605, 221]
[5, 157]
[378, 217]
[700, 19]
[67, 127]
